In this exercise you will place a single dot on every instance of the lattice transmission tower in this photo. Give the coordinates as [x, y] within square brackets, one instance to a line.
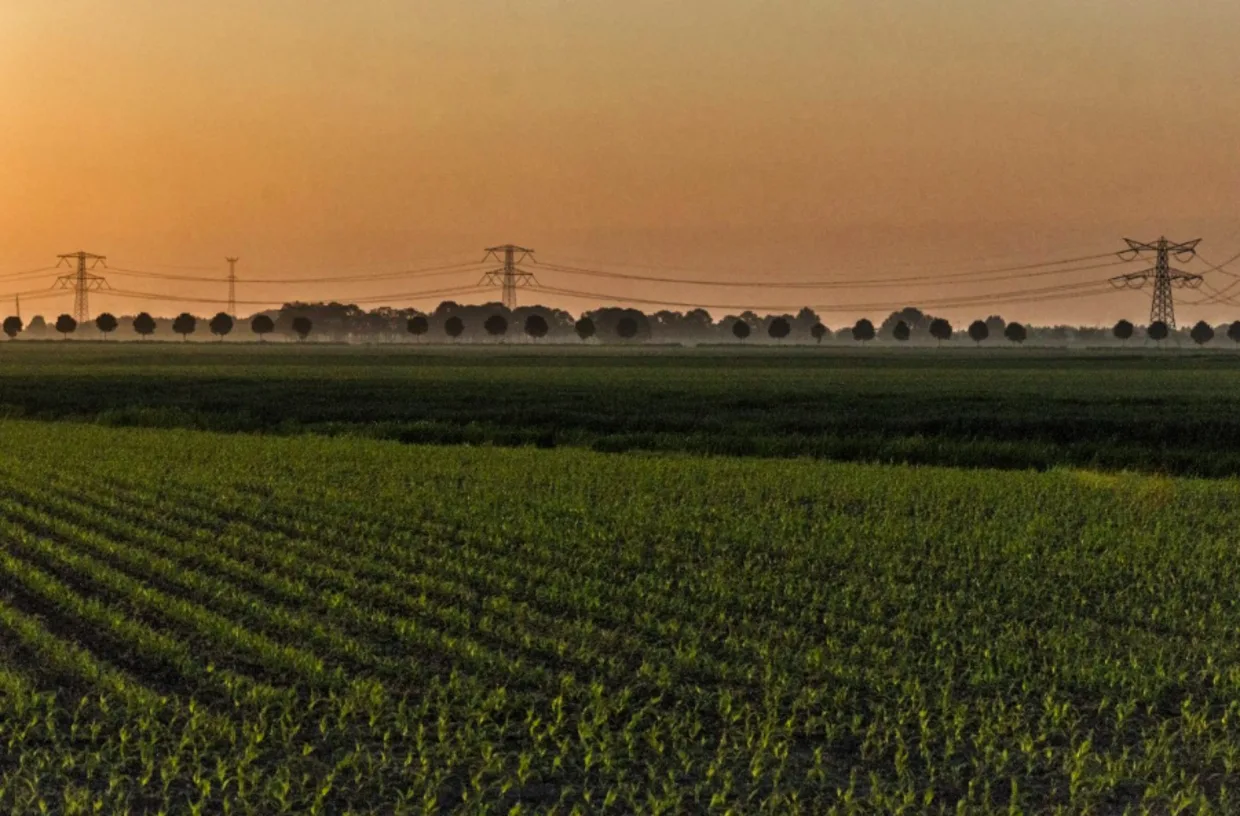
[81, 282]
[232, 287]
[509, 276]
[1162, 274]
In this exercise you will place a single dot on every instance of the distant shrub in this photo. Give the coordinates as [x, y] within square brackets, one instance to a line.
[454, 327]
[1201, 333]
[818, 331]
[585, 328]
[262, 325]
[626, 328]
[66, 325]
[1015, 332]
[978, 331]
[779, 328]
[863, 331]
[940, 329]
[536, 326]
[12, 326]
[106, 323]
[901, 331]
[495, 325]
[302, 327]
[184, 325]
[1158, 331]
[418, 325]
[221, 325]
[1123, 331]
[740, 329]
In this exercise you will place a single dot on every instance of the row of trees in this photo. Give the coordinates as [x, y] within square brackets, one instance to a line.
[184, 324]
[470, 322]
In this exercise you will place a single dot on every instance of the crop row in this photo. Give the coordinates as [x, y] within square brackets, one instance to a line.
[222, 623]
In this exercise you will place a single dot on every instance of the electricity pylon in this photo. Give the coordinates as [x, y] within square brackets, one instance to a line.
[81, 282]
[510, 276]
[1164, 276]
[232, 287]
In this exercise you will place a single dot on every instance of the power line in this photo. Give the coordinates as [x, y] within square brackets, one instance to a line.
[973, 276]
[404, 273]
[921, 264]
[1084, 289]
[1221, 267]
[458, 290]
[30, 273]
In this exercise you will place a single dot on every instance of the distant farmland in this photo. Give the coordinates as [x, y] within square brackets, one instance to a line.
[1006, 408]
[283, 600]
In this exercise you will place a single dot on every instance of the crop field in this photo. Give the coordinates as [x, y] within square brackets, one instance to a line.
[1168, 412]
[201, 622]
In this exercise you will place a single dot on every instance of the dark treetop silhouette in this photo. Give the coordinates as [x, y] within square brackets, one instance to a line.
[144, 325]
[66, 325]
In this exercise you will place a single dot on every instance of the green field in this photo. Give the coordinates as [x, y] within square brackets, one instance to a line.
[242, 579]
[1169, 412]
[224, 623]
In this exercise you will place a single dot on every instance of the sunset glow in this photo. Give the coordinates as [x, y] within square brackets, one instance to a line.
[736, 140]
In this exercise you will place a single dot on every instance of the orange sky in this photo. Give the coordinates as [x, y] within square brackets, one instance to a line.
[746, 141]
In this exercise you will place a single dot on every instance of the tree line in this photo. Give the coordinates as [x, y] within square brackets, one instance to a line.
[453, 322]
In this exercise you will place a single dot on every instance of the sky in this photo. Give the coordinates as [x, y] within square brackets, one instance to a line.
[711, 140]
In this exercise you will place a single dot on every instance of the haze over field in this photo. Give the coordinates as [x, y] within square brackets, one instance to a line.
[849, 139]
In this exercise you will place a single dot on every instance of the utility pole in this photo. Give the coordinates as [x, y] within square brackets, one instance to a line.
[17, 305]
[510, 276]
[81, 282]
[232, 287]
[1164, 276]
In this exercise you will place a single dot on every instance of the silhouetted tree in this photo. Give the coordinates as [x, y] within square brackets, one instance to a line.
[454, 327]
[626, 328]
[863, 331]
[66, 325]
[184, 325]
[805, 320]
[996, 325]
[536, 326]
[1122, 331]
[1233, 332]
[978, 331]
[302, 326]
[779, 328]
[37, 326]
[495, 325]
[584, 328]
[911, 316]
[418, 325]
[818, 331]
[901, 331]
[262, 325]
[1015, 332]
[940, 329]
[740, 329]
[1201, 333]
[12, 327]
[221, 325]
[144, 325]
[1158, 331]
[106, 323]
